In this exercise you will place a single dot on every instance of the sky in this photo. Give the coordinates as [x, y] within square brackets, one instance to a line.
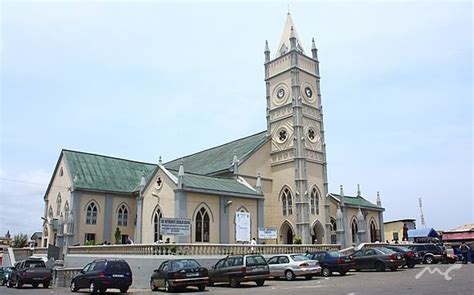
[140, 80]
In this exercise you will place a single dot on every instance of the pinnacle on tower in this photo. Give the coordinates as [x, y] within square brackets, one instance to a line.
[379, 202]
[267, 52]
[289, 31]
[314, 50]
[358, 190]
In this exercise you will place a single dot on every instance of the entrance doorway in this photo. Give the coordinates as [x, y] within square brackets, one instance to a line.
[318, 233]
[286, 233]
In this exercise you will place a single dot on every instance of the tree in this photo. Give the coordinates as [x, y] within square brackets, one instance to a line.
[20, 240]
[118, 236]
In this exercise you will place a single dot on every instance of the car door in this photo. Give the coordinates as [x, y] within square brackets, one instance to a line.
[218, 271]
[358, 258]
[369, 258]
[273, 265]
[283, 262]
[80, 277]
[162, 274]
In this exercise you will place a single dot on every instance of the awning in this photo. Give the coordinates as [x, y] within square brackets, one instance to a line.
[422, 233]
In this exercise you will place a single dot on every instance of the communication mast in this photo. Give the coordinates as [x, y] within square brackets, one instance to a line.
[421, 213]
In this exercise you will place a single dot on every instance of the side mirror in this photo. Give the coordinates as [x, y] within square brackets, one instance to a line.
[82, 271]
[213, 267]
[156, 270]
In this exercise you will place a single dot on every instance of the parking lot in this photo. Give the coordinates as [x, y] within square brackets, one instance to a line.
[438, 279]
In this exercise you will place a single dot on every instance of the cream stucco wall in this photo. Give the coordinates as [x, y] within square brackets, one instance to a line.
[246, 205]
[59, 185]
[396, 227]
[130, 203]
[150, 204]
[211, 204]
[97, 228]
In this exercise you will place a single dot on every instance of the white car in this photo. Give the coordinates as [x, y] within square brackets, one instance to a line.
[293, 265]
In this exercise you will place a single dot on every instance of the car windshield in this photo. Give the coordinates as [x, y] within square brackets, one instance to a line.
[400, 249]
[386, 251]
[185, 264]
[117, 266]
[299, 257]
[335, 254]
[34, 263]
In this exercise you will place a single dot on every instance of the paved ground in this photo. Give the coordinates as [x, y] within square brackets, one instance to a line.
[450, 279]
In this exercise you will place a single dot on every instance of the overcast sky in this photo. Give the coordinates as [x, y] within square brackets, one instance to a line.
[140, 80]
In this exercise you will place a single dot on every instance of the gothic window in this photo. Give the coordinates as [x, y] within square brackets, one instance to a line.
[202, 226]
[58, 204]
[287, 202]
[314, 201]
[122, 216]
[354, 230]
[333, 224]
[156, 225]
[61, 173]
[311, 134]
[373, 232]
[66, 212]
[91, 213]
[159, 182]
[282, 135]
[50, 212]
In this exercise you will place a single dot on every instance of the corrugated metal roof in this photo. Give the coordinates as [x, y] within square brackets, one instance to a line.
[219, 158]
[355, 201]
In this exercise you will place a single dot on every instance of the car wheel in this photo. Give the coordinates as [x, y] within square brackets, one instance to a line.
[380, 266]
[260, 282]
[429, 260]
[168, 287]
[326, 272]
[73, 286]
[289, 275]
[19, 284]
[9, 284]
[35, 285]
[92, 288]
[210, 283]
[234, 283]
[46, 285]
[393, 268]
[202, 287]
[411, 265]
[152, 286]
[308, 277]
[123, 290]
[342, 273]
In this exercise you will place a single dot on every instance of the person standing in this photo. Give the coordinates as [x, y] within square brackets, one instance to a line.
[253, 242]
[464, 250]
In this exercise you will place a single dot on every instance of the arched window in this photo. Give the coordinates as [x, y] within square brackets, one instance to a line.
[156, 225]
[66, 212]
[91, 213]
[122, 216]
[314, 201]
[373, 231]
[333, 224]
[202, 226]
[333, 231]
[50, 212]
[58, 204]
[354, 230]
[287, 202]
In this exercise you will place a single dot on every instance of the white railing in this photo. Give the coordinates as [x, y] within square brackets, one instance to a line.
[198, 249]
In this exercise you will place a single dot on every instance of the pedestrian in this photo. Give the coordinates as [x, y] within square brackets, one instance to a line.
[129, 241]
[167, 240]
[464, 250]
[253, 242]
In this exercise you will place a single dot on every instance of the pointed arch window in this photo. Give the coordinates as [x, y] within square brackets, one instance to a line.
[373, 231]
[122, 216]
[287, 202]
[66, 212]
[91, 213]
[354, 230]
[50, 212]
[333, 224]
[58, 204]
[202, 226]
[156, 225]
[314, 201]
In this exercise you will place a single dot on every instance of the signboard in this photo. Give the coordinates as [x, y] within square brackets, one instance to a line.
[175, 226]
[269, 233]
[242, 226]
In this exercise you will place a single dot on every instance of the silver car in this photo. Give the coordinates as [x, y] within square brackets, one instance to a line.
[293, 265]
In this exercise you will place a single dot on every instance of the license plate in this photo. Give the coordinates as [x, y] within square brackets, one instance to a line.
[192, 274]
[348, 260]
[117, 276]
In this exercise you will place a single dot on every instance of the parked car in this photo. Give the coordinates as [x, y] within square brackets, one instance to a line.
[429, 253]
[240, 268]
[179, 273]
[294, 265]
[103, 274]
[332, 261]
[377, 258]
[412, 258]
[4, 274]
[31, 271]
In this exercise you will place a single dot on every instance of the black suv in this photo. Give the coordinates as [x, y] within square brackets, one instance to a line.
[429, 253]
[240, 268]
[103, 274]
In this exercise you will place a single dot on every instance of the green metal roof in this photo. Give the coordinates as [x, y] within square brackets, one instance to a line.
[356, 201]
[215, 184]
[103, 173]
[219, 158]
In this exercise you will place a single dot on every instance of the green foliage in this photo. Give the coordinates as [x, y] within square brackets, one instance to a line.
[118, 236]
[297, 240]
[90, 243]
[20, 240]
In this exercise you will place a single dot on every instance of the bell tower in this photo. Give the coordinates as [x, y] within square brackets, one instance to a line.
[295, 126]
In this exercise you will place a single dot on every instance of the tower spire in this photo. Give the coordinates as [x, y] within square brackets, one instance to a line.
[285, 45]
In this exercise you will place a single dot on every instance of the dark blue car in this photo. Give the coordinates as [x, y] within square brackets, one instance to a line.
[332, 261]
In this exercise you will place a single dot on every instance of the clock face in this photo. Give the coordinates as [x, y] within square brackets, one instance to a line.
[308, 92]
[280, 93]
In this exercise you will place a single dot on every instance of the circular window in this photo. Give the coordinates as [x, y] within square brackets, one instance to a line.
[280, 94]
[308, 92]
[159, 182]
[282, 135]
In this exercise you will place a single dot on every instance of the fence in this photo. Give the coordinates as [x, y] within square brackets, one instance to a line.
[198, 249]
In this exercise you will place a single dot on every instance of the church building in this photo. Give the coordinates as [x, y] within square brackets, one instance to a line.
[277, 176]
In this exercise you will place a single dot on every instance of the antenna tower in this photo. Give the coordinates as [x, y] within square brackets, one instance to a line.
[421, 213]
